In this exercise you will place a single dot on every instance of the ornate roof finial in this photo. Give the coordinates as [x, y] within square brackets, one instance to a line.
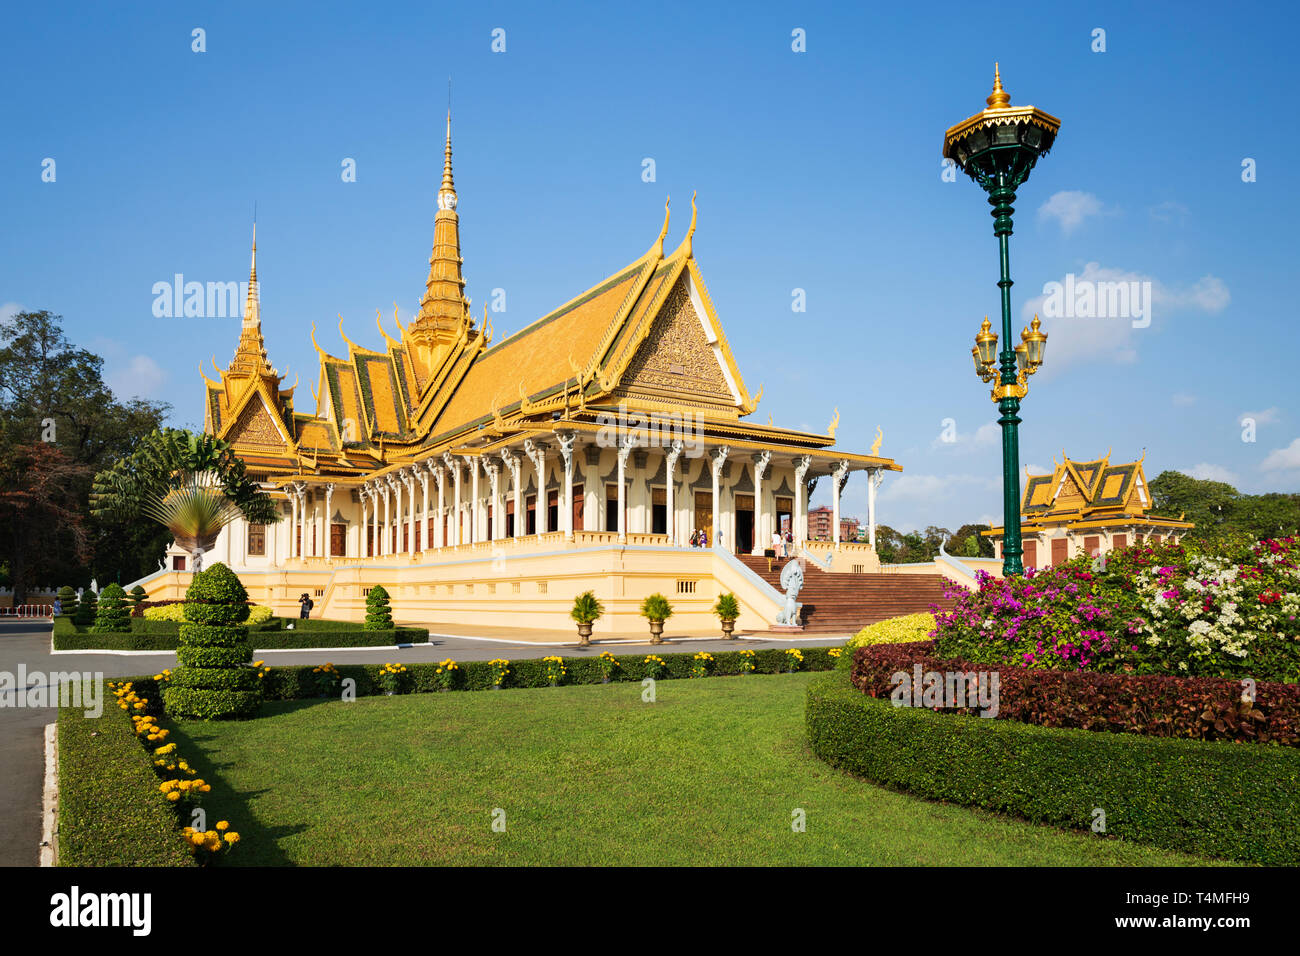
[448, 186]
[999, 98]
[691, 231]
[657, 250]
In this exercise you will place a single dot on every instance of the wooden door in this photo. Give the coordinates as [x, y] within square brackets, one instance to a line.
[1030, 558]
[1060, 551]
[1091, 546]
[704, 513]
[338, 540]
[577, 508]
[1118, 541]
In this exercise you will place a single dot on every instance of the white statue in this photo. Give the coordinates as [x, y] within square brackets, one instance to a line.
[791, 581]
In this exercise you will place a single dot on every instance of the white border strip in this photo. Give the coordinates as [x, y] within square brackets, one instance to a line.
[49, 855]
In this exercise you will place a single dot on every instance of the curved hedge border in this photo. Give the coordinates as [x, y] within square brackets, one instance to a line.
[297, 682]
[1208, 798]
[109, 811]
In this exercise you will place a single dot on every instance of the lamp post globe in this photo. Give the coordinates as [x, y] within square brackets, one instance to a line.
[997, 148]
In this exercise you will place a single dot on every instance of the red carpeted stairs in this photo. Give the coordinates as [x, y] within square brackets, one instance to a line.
[846, 602]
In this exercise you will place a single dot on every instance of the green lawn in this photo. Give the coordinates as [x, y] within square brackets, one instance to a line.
[709, 774]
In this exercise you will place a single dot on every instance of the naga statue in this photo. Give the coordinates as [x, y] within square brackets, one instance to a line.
[791, 582]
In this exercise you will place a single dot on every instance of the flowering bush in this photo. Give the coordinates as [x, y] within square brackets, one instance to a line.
[445, 674]
[746, 662]
[207, 845]
[500, 671]
[896, 630]
[655, 666]
[554, 669]
[325, 679]
[392, 677]
[701, 664]
[608, 665]
[1229, 610]
[793, 659]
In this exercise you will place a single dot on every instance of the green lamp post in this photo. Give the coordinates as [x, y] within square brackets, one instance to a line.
[997, 148]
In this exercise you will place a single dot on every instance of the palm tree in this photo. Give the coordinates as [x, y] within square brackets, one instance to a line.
[192, 484]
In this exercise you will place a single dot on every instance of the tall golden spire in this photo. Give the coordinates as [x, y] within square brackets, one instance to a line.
[444, 311]
[250, 354]
[999, 98]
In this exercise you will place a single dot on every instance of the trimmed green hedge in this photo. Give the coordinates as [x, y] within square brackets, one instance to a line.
[297, 683]
[165, 636]
[1213, 799]
[109, 811]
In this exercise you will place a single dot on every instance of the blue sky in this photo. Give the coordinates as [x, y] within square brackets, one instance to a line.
[816, 170]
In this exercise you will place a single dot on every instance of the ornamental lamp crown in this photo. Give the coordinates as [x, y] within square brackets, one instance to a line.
[1000, 138]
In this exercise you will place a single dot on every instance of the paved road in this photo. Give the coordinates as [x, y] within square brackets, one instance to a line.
[26, 644]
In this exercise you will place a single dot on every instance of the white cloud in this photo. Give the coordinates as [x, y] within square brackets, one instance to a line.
[1070, 208]
[1169, 211]
[1183, 399]
[136, 377]
[9, 310]
[965, 442]
[1268, 416]
[1078, 340]
[1283, 459]
[1207, 472]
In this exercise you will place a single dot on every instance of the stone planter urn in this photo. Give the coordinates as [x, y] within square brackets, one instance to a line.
[584, 634]
[656, 632]
[728, 629]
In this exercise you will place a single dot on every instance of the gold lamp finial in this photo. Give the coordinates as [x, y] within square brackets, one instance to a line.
[999, 98]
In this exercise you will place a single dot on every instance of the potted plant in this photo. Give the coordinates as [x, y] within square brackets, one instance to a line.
[586, 610]
[656, 610]
[391, 678]
[727, 609]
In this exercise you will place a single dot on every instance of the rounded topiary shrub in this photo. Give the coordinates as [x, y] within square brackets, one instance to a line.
[86, 608]
[67, 600]
[378, 615]
[112, 616]
[137, 595]
[212, 678]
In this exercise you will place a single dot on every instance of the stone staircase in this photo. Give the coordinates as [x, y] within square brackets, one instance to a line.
[845, 603]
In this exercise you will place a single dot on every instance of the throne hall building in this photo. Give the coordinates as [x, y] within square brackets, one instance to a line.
[490, 482]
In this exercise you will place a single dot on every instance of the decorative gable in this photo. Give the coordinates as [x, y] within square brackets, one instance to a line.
[677, 357]
[256, 426]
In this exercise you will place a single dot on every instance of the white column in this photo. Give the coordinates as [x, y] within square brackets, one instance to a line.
[440, 476]
[408, 479]
[800, 530]
[761, 462]
[536, 453]
[839, 475]
[293, 523]
[566, 515]
[301, 490]
[493, 471]
[364, 495]
[385, 542]
[719, 458]
[475, 532]
[423, 472]
[873, 482]
[674, 452]
[453, 519]
[624, 449]
[512, 465]
[329, 546]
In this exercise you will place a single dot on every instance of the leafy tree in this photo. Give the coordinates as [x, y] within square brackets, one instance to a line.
[971, 543]
[1220, 510]
[44, 533]
[53, 393]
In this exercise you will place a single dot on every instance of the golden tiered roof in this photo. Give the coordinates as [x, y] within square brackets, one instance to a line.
[646, 337]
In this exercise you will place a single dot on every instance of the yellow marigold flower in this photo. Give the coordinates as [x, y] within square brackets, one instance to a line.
[173, 796]
[232, 838]
[223, 825]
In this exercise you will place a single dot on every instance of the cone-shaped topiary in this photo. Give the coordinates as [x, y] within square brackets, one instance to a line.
[137, 595]
[86, 608]
[378, 615]
[112, 615]
[212, 678]
[67, 600]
